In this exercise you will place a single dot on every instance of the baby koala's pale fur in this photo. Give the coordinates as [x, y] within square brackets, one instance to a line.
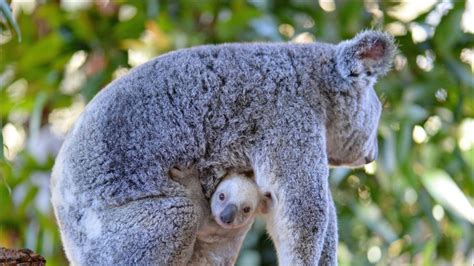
[218, 242]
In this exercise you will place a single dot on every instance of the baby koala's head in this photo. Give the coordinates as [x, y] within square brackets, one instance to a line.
[236, 201]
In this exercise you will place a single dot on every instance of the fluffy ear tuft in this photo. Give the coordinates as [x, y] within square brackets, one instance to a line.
[373, 50]
[370, 53]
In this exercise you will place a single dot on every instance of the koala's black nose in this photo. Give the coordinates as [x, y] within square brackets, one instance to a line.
[228, 214]
[370, 158]
[372, 153]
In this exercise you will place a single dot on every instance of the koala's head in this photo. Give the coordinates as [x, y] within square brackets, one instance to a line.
[354, 110]
[236, 201]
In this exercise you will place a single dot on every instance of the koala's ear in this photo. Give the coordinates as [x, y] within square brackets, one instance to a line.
[370, 53]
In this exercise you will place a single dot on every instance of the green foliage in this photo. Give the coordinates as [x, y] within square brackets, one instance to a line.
[5, 11]
[413, 206]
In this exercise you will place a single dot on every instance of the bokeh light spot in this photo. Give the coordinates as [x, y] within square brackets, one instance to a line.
[327, 5]
[419, 134]
[374, 254]
[438, 212]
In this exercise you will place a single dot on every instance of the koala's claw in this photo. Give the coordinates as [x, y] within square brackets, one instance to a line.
[176, 173]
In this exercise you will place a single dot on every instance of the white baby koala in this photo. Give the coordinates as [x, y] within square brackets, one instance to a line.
[226, 219]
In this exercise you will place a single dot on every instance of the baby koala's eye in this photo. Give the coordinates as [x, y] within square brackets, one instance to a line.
[246, 209]
[221, 196]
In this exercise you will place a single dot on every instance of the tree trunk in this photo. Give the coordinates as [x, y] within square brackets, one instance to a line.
[20, 257]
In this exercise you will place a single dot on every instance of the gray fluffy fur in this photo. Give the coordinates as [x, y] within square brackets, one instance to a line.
[281, 110]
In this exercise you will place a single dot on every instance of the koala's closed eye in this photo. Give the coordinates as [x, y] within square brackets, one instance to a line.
[353, 74]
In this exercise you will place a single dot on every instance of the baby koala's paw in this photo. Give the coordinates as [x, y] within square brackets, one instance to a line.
[186, 176]
[177, 173]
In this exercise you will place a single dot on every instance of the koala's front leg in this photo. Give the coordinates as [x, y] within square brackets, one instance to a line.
[329, 254]
[293, 167]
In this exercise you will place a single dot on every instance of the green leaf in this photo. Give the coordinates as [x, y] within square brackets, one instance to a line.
[468, 156]
[388, 149]
[428, 252]
[448, 31]
[445, 191]
[6, 11]
[94, 84]
[42, 52]
[337, 175]
[237, 22]
[2, 155]
[371, 215]
[153, 6]
[35, 119]
[415, 112]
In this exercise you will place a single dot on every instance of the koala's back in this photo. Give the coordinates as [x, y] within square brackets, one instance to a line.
[184, 107]
[126, 139]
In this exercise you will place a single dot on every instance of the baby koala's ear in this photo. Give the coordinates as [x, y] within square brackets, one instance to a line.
[370, 53]
[266, 203]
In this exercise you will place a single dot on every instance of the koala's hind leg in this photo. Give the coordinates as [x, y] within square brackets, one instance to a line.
[151, 231]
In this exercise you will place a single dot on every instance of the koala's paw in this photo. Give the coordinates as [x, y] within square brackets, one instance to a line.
[177, 174]
[186, 176]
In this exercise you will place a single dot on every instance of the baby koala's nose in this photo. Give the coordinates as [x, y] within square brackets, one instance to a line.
[228, 214]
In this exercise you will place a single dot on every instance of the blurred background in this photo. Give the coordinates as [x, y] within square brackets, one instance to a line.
[413, 206]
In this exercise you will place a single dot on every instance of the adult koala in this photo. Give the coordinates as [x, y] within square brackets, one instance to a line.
[281, 110]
